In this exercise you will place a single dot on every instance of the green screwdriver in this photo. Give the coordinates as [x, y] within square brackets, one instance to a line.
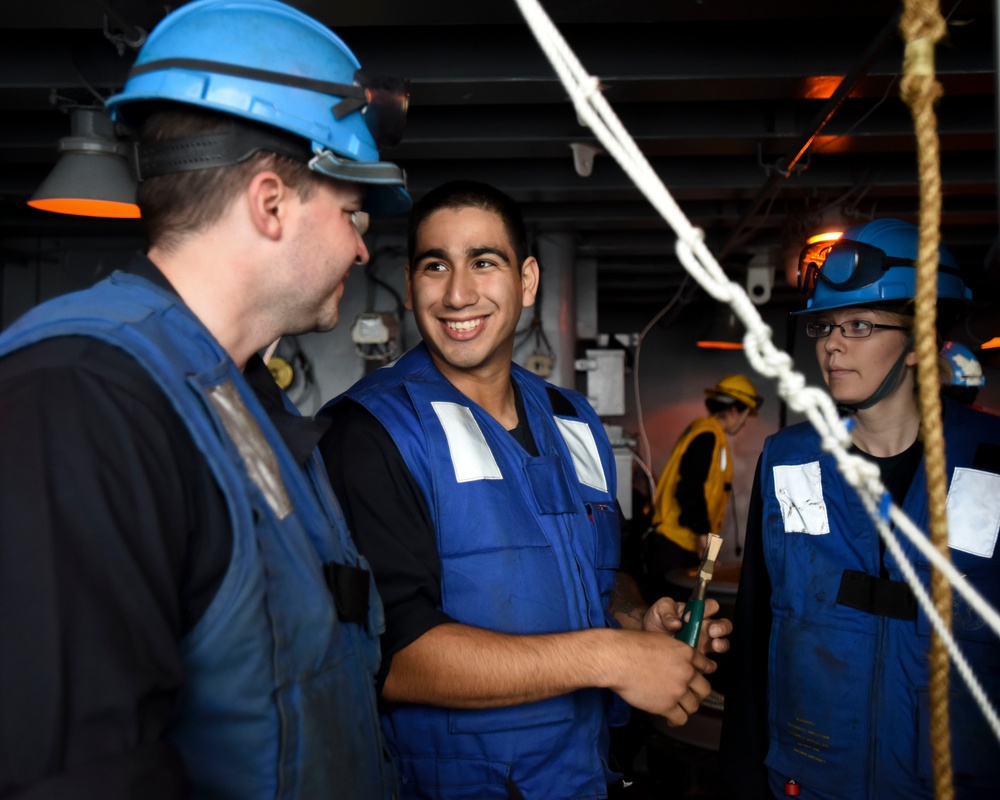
[694, 609]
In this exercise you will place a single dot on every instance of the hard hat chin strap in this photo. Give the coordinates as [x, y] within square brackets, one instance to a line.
[887, 385]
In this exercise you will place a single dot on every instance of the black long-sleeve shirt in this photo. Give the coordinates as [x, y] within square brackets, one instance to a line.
[390, 521]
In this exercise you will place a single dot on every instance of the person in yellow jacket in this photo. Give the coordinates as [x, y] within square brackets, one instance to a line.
[694, 487]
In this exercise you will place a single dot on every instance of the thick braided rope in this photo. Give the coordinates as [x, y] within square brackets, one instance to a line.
[922, 26]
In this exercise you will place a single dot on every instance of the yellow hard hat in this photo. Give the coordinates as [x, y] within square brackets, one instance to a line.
[737, 387]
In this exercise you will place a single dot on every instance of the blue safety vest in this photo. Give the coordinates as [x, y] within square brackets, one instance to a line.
[847, 692]
[528, 545]
[278, 700]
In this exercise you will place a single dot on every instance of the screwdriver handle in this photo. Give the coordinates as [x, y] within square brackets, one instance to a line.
[694, 612]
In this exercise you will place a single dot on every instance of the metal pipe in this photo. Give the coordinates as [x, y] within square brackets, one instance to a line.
[132, 35]
[785, 165]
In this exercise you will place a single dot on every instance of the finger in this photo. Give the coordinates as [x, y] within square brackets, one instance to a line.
[700, 688]
[671, 623]
[676, 717]
[666, 607]
[690, 702]
[665, 612]
[703, 664]
[713, 637]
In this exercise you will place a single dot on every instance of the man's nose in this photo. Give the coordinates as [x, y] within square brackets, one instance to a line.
[461, 290]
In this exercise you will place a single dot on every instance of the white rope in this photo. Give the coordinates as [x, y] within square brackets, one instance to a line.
[593, 110]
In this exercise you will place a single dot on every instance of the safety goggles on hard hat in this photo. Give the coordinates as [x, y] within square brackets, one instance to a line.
[383, 101]
[844, 265]
[847, 265]
[386, 101]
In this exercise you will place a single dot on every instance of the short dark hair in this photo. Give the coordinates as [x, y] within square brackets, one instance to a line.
[176, 205]
[470, 194]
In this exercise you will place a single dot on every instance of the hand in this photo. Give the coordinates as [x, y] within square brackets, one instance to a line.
[714, 632]
[660, 675]
[666, 616]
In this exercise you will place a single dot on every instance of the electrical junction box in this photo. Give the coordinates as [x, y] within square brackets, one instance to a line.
[605, 380]
[540, 363]
[370, 328]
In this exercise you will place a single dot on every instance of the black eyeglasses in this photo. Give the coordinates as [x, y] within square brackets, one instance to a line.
[849, 329]
[361, 220]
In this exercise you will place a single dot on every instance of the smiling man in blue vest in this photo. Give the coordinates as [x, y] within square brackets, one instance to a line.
[484, 500]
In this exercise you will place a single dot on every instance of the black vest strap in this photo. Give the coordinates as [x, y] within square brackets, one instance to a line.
[349, 587]
[987, 458]
[879, 596]
[560, 403]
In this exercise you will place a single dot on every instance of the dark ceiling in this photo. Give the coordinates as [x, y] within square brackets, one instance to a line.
[721, 96]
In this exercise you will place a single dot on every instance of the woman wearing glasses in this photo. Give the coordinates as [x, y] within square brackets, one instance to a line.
[828, 695]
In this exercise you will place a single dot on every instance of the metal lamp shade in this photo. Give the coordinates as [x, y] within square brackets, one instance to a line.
[724, 333]
[91, 178]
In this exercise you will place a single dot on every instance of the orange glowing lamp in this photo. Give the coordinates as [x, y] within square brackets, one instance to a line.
[91, 178]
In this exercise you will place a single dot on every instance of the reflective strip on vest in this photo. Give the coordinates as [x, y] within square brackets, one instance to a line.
[973, 509]
[473, 460]
[579, 439]
[257, 455]
[799, 491]
[470, 454]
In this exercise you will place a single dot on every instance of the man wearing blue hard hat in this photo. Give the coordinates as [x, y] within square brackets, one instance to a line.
[182, 608]
[829, 695]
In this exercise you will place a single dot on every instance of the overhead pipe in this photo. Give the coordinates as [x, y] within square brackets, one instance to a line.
[785, 166]
[128, 34]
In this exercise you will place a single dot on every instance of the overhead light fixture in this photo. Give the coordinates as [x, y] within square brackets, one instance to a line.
[818, 244]
[91, 177]
[583, 158]
[827, 236]
[724, 333]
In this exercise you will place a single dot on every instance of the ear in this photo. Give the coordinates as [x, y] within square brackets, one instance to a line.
[409, 290]
[267, 199]
[911, 357]
[529, 281]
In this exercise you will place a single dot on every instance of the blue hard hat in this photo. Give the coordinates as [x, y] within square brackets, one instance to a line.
[872, 263]
[965, 367]
[269, 63]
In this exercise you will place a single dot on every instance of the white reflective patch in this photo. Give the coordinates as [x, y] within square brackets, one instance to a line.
[470, 454]
[974, 511]
[258, 457]
[586, 459]
[799, 489]
[723, 458]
